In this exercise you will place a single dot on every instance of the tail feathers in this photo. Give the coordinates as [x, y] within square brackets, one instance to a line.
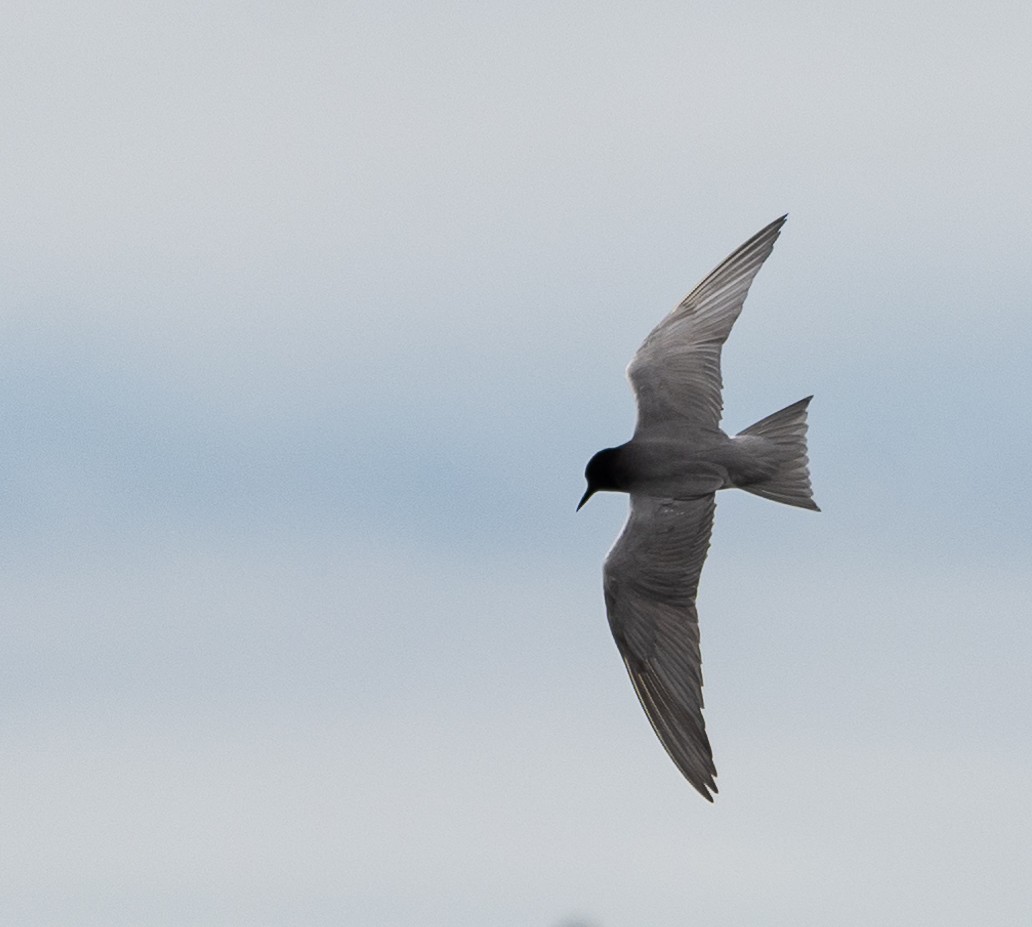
[787, 430]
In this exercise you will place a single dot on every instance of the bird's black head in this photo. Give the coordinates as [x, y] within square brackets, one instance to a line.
[602, 473]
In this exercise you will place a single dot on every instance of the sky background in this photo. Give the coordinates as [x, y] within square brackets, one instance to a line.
[312, 314]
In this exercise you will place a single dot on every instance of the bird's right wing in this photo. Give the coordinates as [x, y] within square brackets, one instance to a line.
[676, 372]
[650, 579]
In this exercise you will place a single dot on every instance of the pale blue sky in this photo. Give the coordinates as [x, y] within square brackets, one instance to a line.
[313, 314]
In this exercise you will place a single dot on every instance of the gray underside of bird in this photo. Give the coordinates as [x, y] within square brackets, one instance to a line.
[696, 464]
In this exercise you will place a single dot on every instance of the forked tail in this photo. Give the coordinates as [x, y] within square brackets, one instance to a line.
[787, 431]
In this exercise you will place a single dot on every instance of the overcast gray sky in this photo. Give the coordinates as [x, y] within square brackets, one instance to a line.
[312, 315]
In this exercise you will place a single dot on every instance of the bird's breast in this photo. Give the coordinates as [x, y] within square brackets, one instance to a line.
[679, 469]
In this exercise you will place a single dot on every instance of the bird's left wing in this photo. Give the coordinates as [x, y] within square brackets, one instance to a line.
[676, 372]
[650, 579]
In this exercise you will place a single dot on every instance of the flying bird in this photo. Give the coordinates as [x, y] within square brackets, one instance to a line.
[672, 468]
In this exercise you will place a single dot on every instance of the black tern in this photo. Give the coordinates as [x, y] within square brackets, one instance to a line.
[672, 468]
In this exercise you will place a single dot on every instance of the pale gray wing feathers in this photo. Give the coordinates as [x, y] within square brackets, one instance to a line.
[650, 578]
[676, 371]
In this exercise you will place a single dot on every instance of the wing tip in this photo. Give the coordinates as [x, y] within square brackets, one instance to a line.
[707, 789]
[772, 230]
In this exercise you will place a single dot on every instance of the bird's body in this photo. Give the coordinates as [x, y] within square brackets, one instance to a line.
[692, 464]
[672, 468]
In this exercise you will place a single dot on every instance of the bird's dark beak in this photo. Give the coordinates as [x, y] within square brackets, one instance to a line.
[587, 495]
